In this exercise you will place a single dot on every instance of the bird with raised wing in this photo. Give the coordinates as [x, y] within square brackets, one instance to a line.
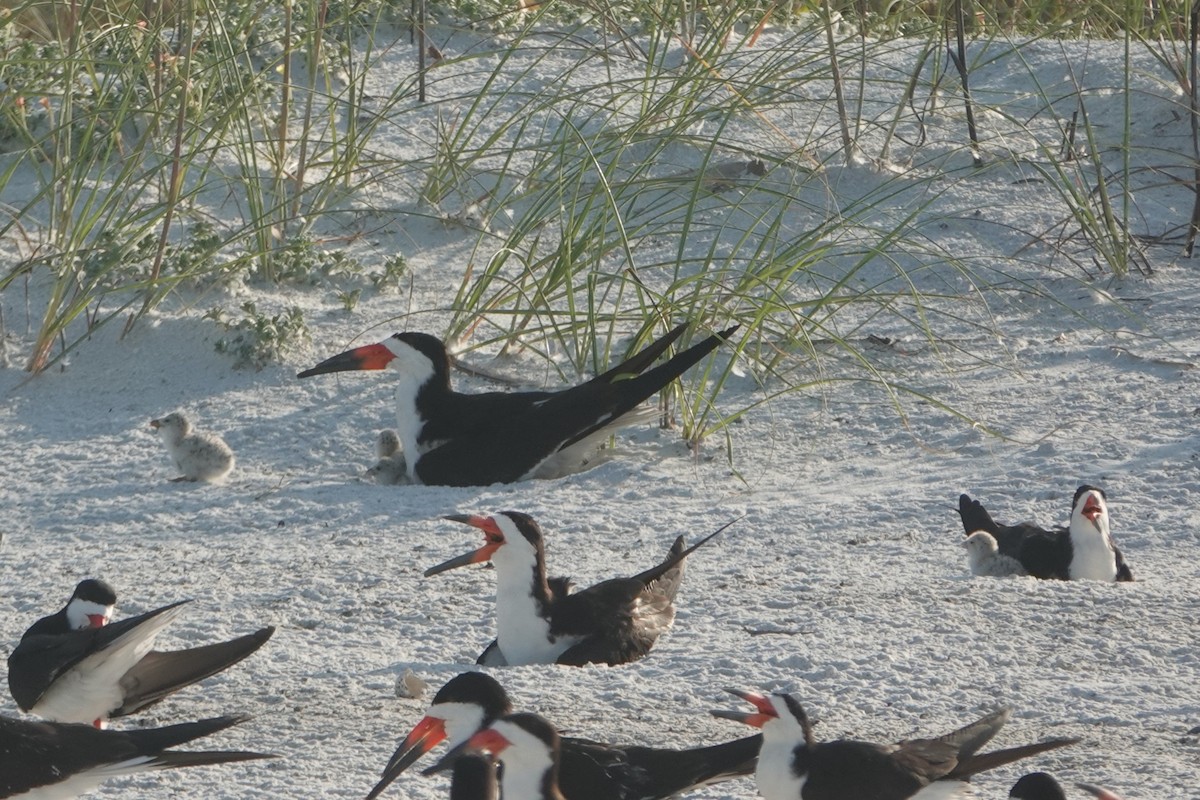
[76, 666]
[451, 438]
[540, 621]
[792, 765]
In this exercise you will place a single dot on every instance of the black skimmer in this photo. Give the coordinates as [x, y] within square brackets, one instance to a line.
[57, 761]
[794, 766]
[528, 747]
[391, 468]
[1082, 551]
[986, 560]
[472, 701]
[198, 455]
[1040, 786]
[455, 439]
[73, 666]
[538, 621]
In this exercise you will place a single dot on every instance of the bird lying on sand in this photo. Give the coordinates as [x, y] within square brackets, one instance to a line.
[455, 439]
[1084, 550]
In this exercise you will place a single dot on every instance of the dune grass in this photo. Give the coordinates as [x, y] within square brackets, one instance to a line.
[676, 167]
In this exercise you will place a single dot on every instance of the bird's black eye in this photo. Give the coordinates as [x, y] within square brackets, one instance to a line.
[496, 538]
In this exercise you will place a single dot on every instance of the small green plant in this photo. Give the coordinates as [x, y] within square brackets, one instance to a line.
[395, 267]
[349, 299]
[258, 339]
[301, 261]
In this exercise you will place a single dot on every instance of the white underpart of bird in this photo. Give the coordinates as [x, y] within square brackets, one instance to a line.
[414, 370]
[198, 455]
[523, 634]
[526, 761]
[945, 790]
[774, 775]
[985, 560]
[85, 782]
[93, 689]
[1092, 556]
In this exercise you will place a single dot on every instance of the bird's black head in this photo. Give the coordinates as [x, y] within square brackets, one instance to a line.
[1037, 786]
[476, 688]
[94, 590]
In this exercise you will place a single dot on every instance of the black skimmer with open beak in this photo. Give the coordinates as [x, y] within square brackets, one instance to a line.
[73, 666]
[455, 439]
[198, 455]
[472, 701]
[529, 749]
[55, 761]
[539, 622]
[1041, 786]
[1083, 551]
[794, 766]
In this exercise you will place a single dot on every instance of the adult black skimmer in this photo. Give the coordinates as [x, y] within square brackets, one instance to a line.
[529, 749]
[589, 770]
[539, 622]
[73, 666]
[1084, 550]
[986, 560]
[793, 766]
[198, 455]
[55, 761]
[455, 439]
[391, 468]
[1040, 786]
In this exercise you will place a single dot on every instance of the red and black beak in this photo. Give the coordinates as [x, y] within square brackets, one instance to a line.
[494, 540]
[764, 714]
[421, 739]
[485, 741]
[97, 620]
[370, 356]
[1092, 508]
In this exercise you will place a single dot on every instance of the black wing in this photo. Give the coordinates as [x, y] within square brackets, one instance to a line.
[40, 659]
[158, 675]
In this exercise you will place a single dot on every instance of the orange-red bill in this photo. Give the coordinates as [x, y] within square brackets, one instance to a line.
[762, 703]
[370, 356]
[488, 741]
[492, 534]
[421, 739]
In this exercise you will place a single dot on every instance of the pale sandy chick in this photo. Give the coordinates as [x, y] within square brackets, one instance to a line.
[198, 455]
[986, 560]
[391, 468]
